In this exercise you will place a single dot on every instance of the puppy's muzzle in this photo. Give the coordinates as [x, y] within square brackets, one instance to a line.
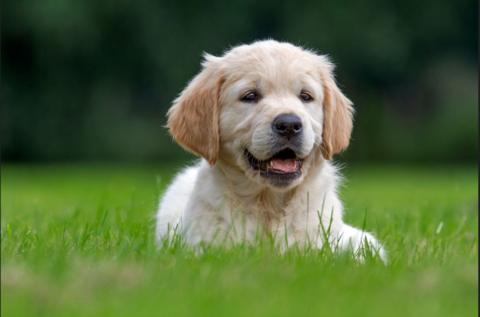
[287, 126]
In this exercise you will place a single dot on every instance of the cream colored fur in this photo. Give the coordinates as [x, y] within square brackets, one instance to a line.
[221, 199]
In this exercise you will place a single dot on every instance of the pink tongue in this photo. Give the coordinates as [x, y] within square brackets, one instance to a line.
[286, 166]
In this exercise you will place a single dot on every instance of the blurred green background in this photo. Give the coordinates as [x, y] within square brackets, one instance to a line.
[92, 80]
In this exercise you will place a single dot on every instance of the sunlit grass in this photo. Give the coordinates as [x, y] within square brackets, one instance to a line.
[79, 241]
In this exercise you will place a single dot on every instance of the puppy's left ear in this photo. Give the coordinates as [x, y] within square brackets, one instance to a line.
[193, 120]
[338, 115]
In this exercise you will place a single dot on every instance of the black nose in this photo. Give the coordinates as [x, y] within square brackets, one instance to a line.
[287, 125]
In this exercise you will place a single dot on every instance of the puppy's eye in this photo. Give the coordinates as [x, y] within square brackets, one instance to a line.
[306, 96]
[251, 96]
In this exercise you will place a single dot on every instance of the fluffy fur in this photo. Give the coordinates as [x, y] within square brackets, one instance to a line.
[224, 198]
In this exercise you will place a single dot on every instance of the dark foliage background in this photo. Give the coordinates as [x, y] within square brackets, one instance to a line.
[92, 80]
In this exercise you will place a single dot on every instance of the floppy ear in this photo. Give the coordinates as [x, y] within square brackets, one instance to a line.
[193, 118]
[337, 117]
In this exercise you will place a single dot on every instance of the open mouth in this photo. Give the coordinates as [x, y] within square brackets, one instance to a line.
[282, 168]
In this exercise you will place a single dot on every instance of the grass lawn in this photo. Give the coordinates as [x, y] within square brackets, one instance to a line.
[77, 240]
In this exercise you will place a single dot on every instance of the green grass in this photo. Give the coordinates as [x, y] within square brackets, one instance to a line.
[78, 241]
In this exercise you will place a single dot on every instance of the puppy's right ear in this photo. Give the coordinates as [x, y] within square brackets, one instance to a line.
[193, 118]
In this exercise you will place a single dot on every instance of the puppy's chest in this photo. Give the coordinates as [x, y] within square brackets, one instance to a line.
[265, 211]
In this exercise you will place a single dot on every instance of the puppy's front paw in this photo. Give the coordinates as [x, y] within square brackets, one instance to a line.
[370, 245]
[361, 243]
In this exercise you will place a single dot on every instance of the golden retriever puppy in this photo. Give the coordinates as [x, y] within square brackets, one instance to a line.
[266, 118]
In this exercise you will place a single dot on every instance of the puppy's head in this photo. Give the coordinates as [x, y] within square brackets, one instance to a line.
[271, 109]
